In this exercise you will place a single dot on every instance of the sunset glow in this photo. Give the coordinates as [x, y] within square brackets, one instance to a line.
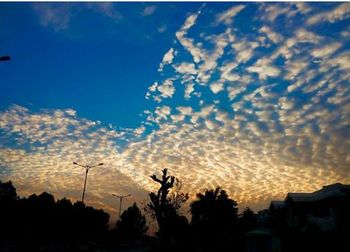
[252, 97]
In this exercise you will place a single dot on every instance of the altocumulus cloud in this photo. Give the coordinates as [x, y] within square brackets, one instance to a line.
[264, 111]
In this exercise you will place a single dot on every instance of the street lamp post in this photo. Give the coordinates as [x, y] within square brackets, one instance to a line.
[121, 197]
[87, 168]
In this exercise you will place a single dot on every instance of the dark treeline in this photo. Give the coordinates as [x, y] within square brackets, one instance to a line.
[41, 223]
[39, 219]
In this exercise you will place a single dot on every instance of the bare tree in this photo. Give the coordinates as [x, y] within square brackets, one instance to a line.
[164, 206]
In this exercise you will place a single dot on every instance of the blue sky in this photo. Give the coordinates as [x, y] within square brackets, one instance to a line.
[250, 96]
[63, 52]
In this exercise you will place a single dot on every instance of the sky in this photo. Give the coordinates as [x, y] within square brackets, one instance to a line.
[252, 97]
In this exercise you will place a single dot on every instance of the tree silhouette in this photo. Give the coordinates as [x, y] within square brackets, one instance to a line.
[247, 220]
[7, 192]
[132, 224]
[8, 209]
[164, 207]
[177, 197]
[65, 220]
[214, 217]
[40, 216]
[90, 223]
[39, 220]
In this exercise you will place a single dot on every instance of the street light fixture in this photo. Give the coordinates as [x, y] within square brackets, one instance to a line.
[5, 58]
[87, 168]
[121, 197]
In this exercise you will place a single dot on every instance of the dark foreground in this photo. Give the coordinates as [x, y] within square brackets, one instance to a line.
[317, 221]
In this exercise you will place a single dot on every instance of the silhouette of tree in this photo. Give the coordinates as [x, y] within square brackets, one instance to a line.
[177, 197]
[7, 192]
[248, 220]
[159, 200]
[214, 217]
[8, 209]
[65, 220]
[164, 207]
[40, 213]
[132, 224]
[90, 223]
[41, 221]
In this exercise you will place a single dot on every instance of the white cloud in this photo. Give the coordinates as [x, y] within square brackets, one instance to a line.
[216, 87]
[326, 50]
[186, 68]
[303, 7]
[294, 67]
[162, 113]
[342, 60]
[161, 91]
[188, 90]
[106, 8]
[286, 104]
[149, 10]
[340, 12]
[59, 15]
[52, 14]
[166, 89]
[244, 50]
[188, 43]
[71, 112]
[177, 118]
[227, 16]
[274, 10]
[303, 35]
[140, 130]
[190, 21]
[167, 58]
[226, 72]
[206, 111]
[210, 124]
[185, 110]
[234, 91]
[151, 89]
[273, 36]
[264, 69]
[210, 58]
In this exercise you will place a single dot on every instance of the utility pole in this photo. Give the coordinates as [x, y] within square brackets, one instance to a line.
[87, 168]
[121, 197]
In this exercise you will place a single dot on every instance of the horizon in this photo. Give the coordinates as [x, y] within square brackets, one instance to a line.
[252, 97]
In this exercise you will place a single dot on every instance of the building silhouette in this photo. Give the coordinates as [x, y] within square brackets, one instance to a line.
[322, 208]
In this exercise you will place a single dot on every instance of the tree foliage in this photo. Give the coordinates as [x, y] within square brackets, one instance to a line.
[39, 218]
[132, 224]
[214, 217]
[247, 220]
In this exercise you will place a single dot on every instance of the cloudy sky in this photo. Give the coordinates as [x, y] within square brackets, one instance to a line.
[251, 97]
